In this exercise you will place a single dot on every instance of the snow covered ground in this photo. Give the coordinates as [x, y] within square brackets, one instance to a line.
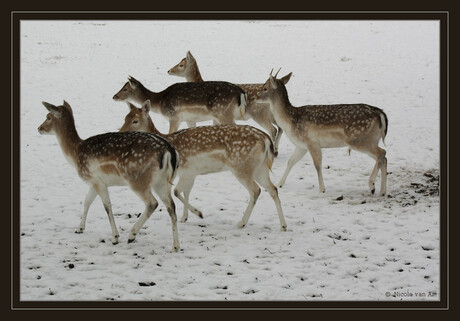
[342, 245]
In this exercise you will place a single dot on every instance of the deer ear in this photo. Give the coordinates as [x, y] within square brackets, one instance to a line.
[132, 82]
[131, 106]
[286, 78]
[146, 106]
[66, 105]
[189, 57]
[273, 82]
[51, 108]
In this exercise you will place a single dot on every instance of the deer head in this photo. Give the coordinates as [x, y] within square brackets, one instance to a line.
[183, 67]
[130, 91]
[138, 119]
[57, 118]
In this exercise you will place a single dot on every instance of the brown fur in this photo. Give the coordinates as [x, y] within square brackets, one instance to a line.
[260, 113]
[244, 150]
[142, 161]
[211, 100]
[313, 127]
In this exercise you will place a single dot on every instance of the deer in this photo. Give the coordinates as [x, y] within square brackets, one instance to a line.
[259, 112]
[219, 101]
[141, 161]
[313, 127]
[242, 149]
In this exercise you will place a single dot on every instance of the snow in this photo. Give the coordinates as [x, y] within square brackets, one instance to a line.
[345, 244]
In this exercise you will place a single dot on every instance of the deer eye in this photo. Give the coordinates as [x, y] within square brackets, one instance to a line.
[135, 121]
[265, 89]
[48, 118]
[181, 66]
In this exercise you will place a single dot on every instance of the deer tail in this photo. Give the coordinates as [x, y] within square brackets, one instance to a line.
[383, 125]
[242, 104]
[170, 163]
[269, 152]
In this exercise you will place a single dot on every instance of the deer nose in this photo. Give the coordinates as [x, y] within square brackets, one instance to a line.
[115, 97]
[169, 71]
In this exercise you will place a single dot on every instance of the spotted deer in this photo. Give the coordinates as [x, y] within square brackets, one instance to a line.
[259, 112]
[219, 101]
[311, 128]
[141, 161]
[244, 150]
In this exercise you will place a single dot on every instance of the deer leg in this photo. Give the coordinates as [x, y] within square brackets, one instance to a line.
[89, 199]
[373, 176]
[263, 178]
[103, 193]
[164, 193]
[383, 172]
[380, 164]
[185, 186]
[268, 126]
[316, 154]
[226, 119]
[295, 157]
[150, 205]
[173, 125]
[276, 143]
[254, 192]
[382, 161]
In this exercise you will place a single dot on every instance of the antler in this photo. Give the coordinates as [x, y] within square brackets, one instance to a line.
[275, 74]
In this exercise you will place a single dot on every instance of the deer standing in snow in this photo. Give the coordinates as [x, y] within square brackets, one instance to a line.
[139, 160]
[219, 101]
[311, 128]
[244, 150]
[260, 112]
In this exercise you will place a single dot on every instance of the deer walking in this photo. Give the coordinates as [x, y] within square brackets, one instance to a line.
[141, 161]
[260, 112]
[219, 101]
[244, 150]
[311, 128]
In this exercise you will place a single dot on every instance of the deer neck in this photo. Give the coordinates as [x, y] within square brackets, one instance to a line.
[152, 129]
[144, 94]
[69, 141]
[283, 111]
[194, 74]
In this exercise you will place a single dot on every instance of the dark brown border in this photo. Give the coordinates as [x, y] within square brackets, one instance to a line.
[16, 304]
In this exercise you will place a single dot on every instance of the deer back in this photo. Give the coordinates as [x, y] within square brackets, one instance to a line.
[330, 125]
[206, 148]
[131, 156]
[230, 146]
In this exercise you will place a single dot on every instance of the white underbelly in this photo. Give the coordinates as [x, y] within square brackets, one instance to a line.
[204, 163]
[194, 114]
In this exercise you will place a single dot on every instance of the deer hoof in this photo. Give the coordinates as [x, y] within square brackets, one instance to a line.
[283, 228]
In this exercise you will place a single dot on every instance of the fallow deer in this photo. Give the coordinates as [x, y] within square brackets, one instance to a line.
[244, 150]
[311, 128]
[219, 101]
[260, 112]
[141, 161]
